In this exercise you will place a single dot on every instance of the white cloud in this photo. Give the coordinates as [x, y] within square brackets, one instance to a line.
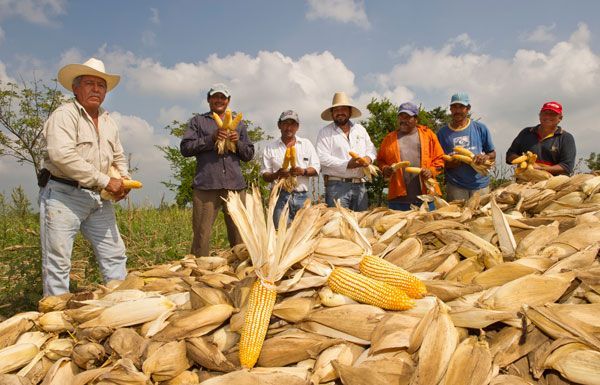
[541, 34]
[4, 78]
[155, 18]
[2, 34]
[507, 93]
[345, 11]
[168, 115]
[34, 11]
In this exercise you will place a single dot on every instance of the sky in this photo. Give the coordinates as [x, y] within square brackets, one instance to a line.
[510, 56]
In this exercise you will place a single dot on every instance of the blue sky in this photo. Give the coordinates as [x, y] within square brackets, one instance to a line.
[511, 56]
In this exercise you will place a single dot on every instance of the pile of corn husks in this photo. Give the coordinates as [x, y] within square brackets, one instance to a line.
[514, 285]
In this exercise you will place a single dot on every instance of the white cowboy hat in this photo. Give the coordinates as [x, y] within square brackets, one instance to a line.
[340, 99]
[93, 67]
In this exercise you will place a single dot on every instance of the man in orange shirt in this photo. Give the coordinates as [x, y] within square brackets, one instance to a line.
[417, 144]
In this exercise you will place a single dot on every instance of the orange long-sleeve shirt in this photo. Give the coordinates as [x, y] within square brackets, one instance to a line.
[431, 158]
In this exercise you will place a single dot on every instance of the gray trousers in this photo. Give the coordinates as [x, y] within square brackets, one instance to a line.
[454, 192]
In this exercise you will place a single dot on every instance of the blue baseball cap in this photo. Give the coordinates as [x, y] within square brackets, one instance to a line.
[460, 98]
[408, 108]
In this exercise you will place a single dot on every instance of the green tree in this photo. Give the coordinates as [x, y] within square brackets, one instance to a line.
[593, 161]
[183, 169]
[23, 111]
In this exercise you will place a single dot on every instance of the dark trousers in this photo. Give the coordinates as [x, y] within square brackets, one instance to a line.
[206, 206]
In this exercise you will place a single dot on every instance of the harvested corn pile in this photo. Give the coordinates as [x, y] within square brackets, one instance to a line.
[502, 289]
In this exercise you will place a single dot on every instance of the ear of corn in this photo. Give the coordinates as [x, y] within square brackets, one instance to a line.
[227, 119]
[218, 120]
[293, 156]
[385, 271]
[398, 165]
[354, 155]
[463, 151]
[129, 184]
[463, 158]
[256, 323]
[236, 121]
[447, 157]
[16, 356]
[368, 290]
[413, 170]
[286, 159]
[519, 159]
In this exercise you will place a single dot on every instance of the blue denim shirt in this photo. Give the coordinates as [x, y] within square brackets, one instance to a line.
[214, 171]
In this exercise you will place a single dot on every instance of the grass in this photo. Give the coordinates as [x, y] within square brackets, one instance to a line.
[152, 236]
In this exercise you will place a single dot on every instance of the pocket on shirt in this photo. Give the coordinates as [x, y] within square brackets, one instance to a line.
[85, 143]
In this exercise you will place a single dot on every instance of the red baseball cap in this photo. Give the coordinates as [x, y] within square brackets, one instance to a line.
[552, 106]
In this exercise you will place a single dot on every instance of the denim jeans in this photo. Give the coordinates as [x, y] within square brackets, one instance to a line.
[400, 206]
[351, 195]
[64, 210]
[295, 201]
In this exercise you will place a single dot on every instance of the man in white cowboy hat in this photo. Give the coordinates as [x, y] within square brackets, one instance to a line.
[343, 174]
[306, 164]
[81, 143]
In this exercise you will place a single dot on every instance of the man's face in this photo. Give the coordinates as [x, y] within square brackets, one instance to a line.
[90, 92]
[459, 112]
[288, 128]
[406, 122]
[549, 119]
[218, 103]
[341, 115]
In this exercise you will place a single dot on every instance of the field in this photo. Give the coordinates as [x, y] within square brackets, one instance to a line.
[152, 236]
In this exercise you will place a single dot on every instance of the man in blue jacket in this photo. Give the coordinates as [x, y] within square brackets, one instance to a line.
[216, 174]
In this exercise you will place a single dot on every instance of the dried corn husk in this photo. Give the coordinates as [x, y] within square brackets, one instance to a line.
[16, 356]
[196, 323]
[55, 321]
[167, 362]
[208, 355]
[293, 346]
[357, 319]
[131, 312]
[58, 348]
[88, 355]
[471, 363]
[576, 362]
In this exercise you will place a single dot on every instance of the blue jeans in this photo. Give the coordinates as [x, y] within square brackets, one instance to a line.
[64, 210]
[400, 206]
[295, 201]
[351, 195]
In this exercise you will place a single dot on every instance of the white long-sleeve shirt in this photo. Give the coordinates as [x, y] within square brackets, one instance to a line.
[75, 150]
[306, 156]
[333, 147]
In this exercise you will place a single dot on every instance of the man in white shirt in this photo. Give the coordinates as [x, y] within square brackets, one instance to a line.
[343, 175]
[307, 164]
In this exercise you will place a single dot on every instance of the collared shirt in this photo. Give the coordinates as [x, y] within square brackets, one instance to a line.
[214, 171]
[333, 147]
[558, 148]
[75, 150]
[306, 156]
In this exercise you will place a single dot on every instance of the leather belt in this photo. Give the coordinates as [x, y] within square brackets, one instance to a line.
[69, 182]
[345, 180]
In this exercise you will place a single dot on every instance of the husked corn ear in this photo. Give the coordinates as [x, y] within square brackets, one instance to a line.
[227, 119]
[413, 170]
[217, 119]
[256, 323]
[384, 271]
[463, 151]
[368, 290]
[362, 160]
[286, 159]
[520, 159]
[234, 123]
[523, 165]
[354, 155]
[397, 166]
[463, 158]
[447, 157]
[293, 156]
[128, 183]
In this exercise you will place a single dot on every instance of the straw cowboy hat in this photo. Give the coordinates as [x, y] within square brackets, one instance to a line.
[93, 67]
[340, 99]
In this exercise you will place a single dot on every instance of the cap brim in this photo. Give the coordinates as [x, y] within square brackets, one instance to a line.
[326, 115]
[68, 73]
[460, 102]
[407, 112]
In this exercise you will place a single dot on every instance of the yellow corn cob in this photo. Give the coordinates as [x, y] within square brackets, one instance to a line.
[286, 159]
[218, 120]
[447, 158]
[227, 119]
[293, 156]
[256, 323]
[463, 158]
[384, 271]
[520, 159]
[354, 155]
[234, 123]
[463, 151]
[399, 165]
[368, 290]
[523, 164]
[413, 170]
[129, 183]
